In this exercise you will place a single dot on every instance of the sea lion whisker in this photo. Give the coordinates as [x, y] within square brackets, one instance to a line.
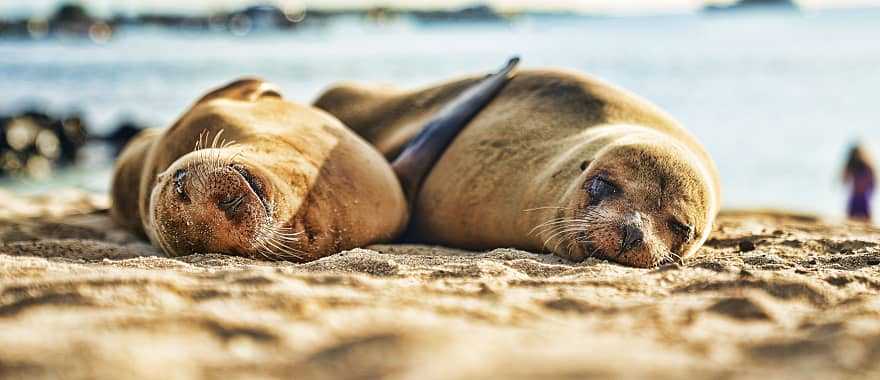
[216, 138]
[275, 241]
[546, 240]
[570, 229]
[667, 258]
[258, 250]
[290, 252]
[281, 249]
[570, 233]
[203, 139]
[572, 241]
[282, 231]
[262, 249]
[267, 247]
[235, 156]
[556, 232]
[286, 241]
[571, 225]
[564, 231]
[548, 224]
[216, 159]
[198, 144]
[544, 243]
[551, 222]
[290, 238]
[546, 208]
[272, 243]
[556, 220]
[286, 237]
[288, 231]
[556, 228]
[674, 257]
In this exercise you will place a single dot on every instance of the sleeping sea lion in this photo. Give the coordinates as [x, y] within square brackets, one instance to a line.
[558, 162]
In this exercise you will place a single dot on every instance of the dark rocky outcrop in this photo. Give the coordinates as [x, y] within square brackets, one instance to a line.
[753, 4]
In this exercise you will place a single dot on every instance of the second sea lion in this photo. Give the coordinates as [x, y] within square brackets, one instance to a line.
[558, 162]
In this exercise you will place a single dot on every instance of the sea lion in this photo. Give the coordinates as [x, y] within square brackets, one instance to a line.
[246, 172]
[558, 162]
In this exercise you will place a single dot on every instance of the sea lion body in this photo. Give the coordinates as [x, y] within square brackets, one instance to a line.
[558, 162]
[246, 172]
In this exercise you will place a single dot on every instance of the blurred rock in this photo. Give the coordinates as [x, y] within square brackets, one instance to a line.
[120, 136]
[266, 17]
[72, 19]
[479, 13]
[753, 4]
[73, 137]
[33, 143]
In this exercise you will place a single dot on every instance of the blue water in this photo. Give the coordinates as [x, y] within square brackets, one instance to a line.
[776, 97]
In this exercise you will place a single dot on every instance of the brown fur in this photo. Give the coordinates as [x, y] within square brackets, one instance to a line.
[310, 187]
[518, 174]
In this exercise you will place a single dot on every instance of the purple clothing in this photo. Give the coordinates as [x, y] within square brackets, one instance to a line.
[859, 205]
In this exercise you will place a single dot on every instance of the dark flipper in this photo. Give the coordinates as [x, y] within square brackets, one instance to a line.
[419, 156]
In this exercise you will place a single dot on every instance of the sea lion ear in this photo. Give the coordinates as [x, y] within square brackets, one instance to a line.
[246, 89]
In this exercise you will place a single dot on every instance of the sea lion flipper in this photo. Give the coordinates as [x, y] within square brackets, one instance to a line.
[127, 179]
[420, 154]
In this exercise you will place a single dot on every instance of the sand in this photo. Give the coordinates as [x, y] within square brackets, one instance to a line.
[771, 295]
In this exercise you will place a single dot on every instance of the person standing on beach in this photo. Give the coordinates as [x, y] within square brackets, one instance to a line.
[860, 172]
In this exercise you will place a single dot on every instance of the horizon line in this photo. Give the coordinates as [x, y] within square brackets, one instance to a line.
[45, 8]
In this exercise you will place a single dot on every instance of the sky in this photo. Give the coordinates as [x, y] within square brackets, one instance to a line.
[105, 7]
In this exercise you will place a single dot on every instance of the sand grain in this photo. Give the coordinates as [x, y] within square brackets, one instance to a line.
[771, 295]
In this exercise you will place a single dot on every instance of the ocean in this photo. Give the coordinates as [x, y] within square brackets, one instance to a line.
[777, 97]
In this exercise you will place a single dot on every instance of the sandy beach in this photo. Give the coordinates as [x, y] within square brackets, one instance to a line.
[770, 295]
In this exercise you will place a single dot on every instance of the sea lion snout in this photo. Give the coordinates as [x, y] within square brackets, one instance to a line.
[218, 207]
[631, 235]
[234, 191]
[231, 188]
[623, 235]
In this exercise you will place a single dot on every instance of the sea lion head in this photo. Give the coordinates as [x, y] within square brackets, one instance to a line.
[215, 200]
[643, 202]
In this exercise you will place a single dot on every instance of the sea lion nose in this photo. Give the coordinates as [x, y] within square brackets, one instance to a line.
[632, 237]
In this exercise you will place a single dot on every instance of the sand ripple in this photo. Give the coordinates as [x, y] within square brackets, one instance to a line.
[771, 295]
